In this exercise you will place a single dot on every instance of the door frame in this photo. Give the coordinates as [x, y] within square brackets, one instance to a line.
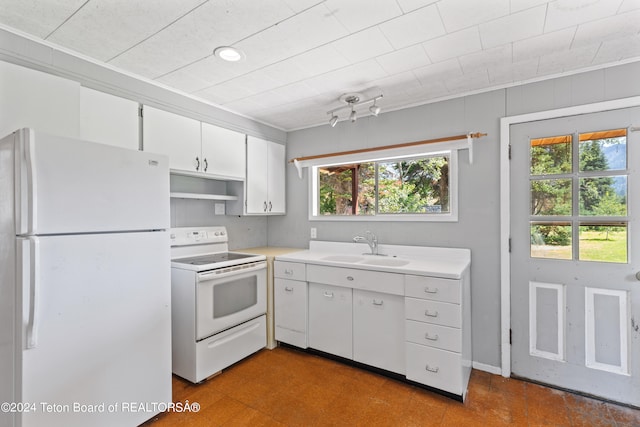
[505, 204]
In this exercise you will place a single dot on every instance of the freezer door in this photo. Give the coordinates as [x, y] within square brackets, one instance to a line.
[95, 315]
[71, 186]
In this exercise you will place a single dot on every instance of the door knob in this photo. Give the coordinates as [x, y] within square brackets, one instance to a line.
[638, 275]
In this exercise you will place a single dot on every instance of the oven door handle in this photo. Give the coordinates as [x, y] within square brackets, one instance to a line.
[231, 271]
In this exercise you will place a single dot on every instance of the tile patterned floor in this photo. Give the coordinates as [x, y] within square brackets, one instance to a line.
[285, 387]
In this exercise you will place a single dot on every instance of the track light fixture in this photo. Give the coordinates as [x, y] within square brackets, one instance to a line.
[374, 109]
[352, 100]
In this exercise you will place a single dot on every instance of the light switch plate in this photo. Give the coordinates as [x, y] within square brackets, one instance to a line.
[219, 209]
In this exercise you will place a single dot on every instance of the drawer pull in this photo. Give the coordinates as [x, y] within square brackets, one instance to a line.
[378, 302]
[328, 294]
[288, 289]
[428, 290]
[430, 314]
[288, 272]
[430, 369]
[431, 338]
[350, 278]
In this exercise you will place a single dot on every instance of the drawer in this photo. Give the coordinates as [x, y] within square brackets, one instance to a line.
[368, 280]
[432, 335]
[440, 313]
[290, 270]
[434, 367]
[433, 288]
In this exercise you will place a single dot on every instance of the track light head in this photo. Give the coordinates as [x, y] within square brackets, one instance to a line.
[353, 99]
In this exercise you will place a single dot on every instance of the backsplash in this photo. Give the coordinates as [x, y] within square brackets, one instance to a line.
[244, 232]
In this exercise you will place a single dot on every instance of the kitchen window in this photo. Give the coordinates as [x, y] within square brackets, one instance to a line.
[416, 188]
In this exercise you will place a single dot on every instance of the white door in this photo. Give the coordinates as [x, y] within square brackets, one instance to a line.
[96, 326]
[379, 330]
[176, 136]
[276, 176]
[330, 319]
[223, 152]
[72, 186]
[575, 253]
[257, 185]
[109, 119]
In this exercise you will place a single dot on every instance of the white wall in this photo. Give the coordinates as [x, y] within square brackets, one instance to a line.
[478, 227]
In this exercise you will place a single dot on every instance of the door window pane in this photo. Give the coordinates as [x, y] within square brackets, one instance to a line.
[551, 240]
[603, 150]
[551, 197]
[603, 196]
[551, 155]
[604, 242]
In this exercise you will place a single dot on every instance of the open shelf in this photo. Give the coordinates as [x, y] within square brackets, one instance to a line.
[202, 196]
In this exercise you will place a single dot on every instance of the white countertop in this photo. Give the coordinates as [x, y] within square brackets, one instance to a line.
[447, 263]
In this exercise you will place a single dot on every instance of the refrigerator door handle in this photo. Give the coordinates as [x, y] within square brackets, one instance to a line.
[25, 179]
[34, 291]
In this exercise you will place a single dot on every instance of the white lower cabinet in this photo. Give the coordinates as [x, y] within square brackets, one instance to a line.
[415, 326]
[436, 368]
[330, 319]
[290, 296]
[290, 302]
[438, 326]
[378, 330]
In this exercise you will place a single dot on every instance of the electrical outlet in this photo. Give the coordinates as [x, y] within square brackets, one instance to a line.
[314, 232]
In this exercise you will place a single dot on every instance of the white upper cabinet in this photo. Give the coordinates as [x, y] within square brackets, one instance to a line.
[265, 187]
[38, 100]
[109, 119]
[223, 152]
[173, 135]
[194, 148]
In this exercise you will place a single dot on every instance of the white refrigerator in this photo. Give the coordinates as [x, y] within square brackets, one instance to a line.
[85, 293]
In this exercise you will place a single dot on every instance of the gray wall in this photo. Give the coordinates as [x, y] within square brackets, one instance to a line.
[478, 227]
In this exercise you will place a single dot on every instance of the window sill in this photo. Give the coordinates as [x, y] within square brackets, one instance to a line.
[388, 218]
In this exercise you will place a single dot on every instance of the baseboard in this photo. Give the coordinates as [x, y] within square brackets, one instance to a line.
[496, 370]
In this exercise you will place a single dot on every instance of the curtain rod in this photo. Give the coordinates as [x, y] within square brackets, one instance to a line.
[387, 147]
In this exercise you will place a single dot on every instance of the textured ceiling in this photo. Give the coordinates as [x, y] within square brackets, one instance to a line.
[301, 55]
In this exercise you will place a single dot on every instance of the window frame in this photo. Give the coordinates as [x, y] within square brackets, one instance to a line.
[451, 216]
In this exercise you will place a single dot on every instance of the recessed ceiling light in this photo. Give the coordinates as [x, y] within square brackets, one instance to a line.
[229, 53]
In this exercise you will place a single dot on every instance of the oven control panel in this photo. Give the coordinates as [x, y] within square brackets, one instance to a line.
[185, 236]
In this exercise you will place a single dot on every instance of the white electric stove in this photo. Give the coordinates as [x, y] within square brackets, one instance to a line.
[219, 302]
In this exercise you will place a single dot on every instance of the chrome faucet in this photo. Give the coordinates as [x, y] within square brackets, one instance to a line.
[372, 241]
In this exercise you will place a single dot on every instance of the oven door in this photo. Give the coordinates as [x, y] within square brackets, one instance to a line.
[229, 296]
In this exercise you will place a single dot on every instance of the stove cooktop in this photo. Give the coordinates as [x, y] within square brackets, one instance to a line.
[214, 258]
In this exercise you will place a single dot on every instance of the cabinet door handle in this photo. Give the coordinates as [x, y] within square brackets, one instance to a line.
[270, 206]
[206, 164]
[431, 338]
[197, 164]
[265, 206]
[328, 294]
[430, 314]
[430, 369]
[428, 290]
[288, 289]
[378, 302]
[350, 278]
[288, 272]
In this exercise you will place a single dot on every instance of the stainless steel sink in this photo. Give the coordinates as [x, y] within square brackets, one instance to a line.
[386, 262]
